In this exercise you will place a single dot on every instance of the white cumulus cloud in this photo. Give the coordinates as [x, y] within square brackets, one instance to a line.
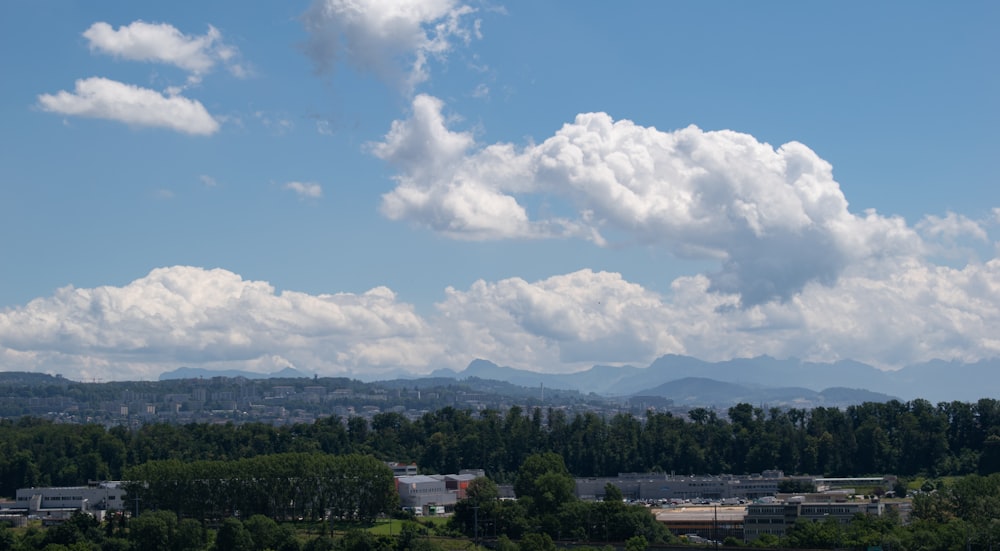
[164, 43]
[571, 319]
[392, 39]
[310, 190]
[951, 226]
[102, 98]
[918, 313]
[774, 218]
[192, 316]
[214, 318]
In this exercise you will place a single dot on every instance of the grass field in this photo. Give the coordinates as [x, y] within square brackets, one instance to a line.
[385, 527]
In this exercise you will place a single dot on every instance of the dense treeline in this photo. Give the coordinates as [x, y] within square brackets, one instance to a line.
[281, 487]
[903, 438]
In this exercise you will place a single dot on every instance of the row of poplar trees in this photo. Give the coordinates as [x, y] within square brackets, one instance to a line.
[288, 486]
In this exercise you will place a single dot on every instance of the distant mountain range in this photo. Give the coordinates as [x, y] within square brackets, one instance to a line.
[699, 391]
[687, 380]
[935, 381]
[765, 376]
[642, 384]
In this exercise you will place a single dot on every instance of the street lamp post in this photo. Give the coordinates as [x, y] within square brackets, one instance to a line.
[715, 525]
[475, 532]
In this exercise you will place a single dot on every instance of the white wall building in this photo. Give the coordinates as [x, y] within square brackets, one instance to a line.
[416, 492]
[60, 502]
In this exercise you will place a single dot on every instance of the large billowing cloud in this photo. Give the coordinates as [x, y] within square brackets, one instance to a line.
[163, 43]
[919, 313]
[213, 318]
[102, 98]
[191, 316]
[582, 317]
[392, 39]
[774, 218]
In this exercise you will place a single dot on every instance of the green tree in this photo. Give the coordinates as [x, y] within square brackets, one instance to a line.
[153, 531]
[480, 503]
[537, 542]
[636, 543]
[977, 498]
[505, 544]
[361, 540]
[31, 539]
[412, 538]
[116, 544]
[866, 531]
[287, 541]
[320, 543]
[796, 486]
[482, 490]
[72, 531]
[190, 536]
[627, 521]
[233, 536]
[545, 479]
[512, 519]
[6, 537]
[552, 489]
[612, 493]
[264, 532]
[814, 535]
[766, 540]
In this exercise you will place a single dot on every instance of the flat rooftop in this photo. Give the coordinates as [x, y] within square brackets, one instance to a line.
[682, 513]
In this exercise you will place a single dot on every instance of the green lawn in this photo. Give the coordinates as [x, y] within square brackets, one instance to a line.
[384, 527]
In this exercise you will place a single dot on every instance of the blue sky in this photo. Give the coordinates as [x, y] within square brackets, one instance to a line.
[370, 188]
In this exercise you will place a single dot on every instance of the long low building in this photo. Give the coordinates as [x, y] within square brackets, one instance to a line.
[777, 518]
[55, 503]
[661, 486]
[751, 521]
[709, 522]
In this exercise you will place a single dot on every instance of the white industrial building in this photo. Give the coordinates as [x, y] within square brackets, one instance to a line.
[421, 492]
[60, 502]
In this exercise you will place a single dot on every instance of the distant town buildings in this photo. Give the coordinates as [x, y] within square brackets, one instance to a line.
[273, 401]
